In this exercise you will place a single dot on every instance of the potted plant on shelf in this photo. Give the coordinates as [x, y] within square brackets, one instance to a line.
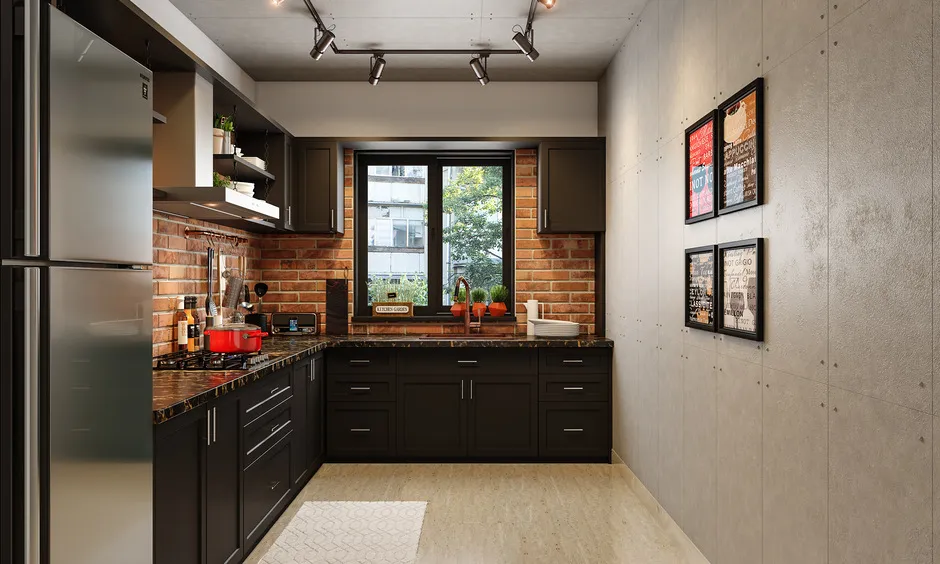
[478, 296]
[220, 181]
[222, 128]
[498, 296]
[460, 305]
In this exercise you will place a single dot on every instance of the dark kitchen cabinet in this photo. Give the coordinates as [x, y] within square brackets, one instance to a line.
[267, 487]
[276, 149]
[503, 417]
[223, 484]
[572, 187]
[432, 416]
[179, 489]
[575, 430]
[318, 193]
[307, 411]
[360, 430]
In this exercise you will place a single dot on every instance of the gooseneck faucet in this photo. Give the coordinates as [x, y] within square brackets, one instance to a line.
[466, 313]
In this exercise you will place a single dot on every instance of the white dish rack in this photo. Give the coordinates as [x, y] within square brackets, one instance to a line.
[555, 328]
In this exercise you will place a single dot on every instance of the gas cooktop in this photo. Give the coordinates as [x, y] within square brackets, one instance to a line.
[205, 360]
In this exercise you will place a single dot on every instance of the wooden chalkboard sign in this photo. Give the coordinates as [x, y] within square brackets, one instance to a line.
[740, 289]
[700, 288]
[741, 145]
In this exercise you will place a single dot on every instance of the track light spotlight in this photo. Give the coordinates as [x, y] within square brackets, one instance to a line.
[478, 64]
[378, 66]
[322, 44]
[525, 46]
[276, 3]
[548, 3]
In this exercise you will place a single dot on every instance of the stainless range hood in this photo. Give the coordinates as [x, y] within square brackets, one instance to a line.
[213, 204]
[183, 161]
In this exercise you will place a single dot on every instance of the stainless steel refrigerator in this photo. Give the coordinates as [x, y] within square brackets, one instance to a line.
[75, 294]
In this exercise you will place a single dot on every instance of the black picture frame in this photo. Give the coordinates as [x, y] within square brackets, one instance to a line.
[713, 117]
[756, 87]
[757, 334]
[713, 251]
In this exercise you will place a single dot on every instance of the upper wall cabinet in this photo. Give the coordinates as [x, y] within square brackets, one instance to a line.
[317, 199]
[572, 186]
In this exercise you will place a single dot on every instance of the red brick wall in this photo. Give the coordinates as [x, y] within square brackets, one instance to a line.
[179, 268]
[557, 270]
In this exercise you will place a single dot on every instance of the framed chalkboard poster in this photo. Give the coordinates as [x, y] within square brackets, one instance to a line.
[701, 148]
[740, 149]
[700, 288]
[741, 289]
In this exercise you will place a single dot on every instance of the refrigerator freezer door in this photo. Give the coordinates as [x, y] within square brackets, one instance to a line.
[100, 416]
[100, 149]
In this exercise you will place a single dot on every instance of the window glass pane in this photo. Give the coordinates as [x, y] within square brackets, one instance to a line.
[473, 227]
[398, 259]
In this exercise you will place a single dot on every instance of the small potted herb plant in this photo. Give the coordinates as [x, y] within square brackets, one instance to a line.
[460, 304]
[478, 296]
[220, 181]
[222, 128]
[498, 296]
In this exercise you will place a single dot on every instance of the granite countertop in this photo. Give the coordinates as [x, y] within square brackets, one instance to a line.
[179, 391]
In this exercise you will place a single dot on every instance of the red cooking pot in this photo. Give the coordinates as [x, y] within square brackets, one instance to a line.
[239, 338]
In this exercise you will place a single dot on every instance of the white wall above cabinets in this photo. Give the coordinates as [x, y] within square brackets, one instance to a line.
[432, 109]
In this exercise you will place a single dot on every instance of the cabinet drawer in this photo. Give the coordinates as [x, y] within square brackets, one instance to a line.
[574, 361]
[360, 430]
[468, 361]
[267, 486]
[574, 430]
[259, 397]
[360, 361]
[574, 387]
[361, 387]
[265, 432]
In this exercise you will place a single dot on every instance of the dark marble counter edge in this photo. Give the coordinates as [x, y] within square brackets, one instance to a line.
[165, 414]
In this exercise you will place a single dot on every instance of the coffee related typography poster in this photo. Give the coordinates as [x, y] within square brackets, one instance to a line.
[700, 288]
[740, 309]
[740, 151]
[701, 170]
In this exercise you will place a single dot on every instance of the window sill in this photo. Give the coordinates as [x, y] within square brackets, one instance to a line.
[439, 319]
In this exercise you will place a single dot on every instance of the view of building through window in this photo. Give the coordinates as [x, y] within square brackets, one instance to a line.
[398, 246]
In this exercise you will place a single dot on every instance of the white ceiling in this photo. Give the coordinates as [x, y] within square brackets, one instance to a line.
[576, 39]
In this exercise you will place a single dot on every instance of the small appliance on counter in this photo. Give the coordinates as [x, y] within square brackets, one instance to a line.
[294, 323]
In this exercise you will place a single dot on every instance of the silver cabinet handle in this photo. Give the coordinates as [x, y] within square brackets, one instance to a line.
[573, 388]
[271, 397]
[215, 421]
[274, 431]
[471, 389]
[359, 388]
[360, 430]
[577, 361]
[461, 390]
[274, 391]
[471, 362]
[313, 370]
[332, 218]
[208, 428]
[31, 95]
[359, 361]
[288, 215]
[574, 430]
[545, 217]
[274, 485]
[31, 468]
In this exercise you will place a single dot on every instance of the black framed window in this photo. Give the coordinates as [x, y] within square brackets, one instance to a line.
[425, 219]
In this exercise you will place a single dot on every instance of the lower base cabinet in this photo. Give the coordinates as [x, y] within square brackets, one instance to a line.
[504, 417]
[224, 542]
[360, 430]
[432, 416]
[574, 429]
[267, 488]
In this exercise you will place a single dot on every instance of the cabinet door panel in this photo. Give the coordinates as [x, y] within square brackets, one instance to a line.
[361, 430]
[432, 416]
[223, 483]
[315, 399]
[302, 373]
[504, 416]
[317, 189]
[572, 187]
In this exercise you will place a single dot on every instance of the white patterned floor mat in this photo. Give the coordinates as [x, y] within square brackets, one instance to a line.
[351, 531]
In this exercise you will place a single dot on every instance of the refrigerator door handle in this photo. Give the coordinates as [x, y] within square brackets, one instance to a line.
[31, 94]
[31, 470]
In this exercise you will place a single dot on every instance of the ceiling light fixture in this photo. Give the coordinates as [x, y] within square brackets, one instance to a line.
[478, 64]
[548, 3]
[322, 43]
[378, 67]
[276, 3]
[525, 45]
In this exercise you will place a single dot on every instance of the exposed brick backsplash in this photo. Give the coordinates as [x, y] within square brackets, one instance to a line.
[557, 270]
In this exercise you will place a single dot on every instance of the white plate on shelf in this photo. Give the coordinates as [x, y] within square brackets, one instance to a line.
[555, 328]
[257, 162]
[246, 188]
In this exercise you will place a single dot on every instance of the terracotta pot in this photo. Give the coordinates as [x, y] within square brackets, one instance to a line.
[497, 309]
[479, 309]
[458, 309]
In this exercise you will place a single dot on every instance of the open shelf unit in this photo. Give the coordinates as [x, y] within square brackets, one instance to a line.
[238, 169]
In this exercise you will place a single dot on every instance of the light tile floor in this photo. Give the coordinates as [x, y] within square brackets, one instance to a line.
[505, 513]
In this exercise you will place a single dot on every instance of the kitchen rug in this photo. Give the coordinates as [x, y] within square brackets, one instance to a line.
[351, 531]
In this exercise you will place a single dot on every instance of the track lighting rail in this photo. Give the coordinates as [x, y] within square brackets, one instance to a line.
[385, 51]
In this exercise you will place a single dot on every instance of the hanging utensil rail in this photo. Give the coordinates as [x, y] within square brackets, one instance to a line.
[233, 240]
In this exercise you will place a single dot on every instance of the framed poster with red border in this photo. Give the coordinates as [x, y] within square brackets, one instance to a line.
[700, 292]
[740, 149]
[740, 310]
[701, 174]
